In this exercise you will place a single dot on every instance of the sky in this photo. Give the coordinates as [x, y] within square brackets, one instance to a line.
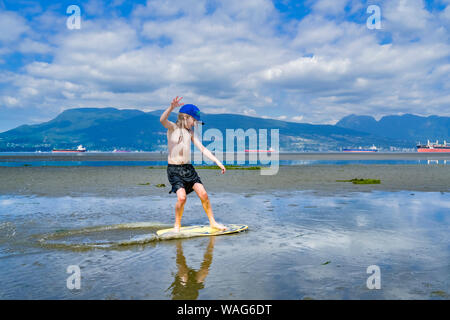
[301, 61]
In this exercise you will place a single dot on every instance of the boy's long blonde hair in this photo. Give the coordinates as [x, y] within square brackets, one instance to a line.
[182, 124]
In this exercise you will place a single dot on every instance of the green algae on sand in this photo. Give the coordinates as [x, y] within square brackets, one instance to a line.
[440, 294]
[361, 181]
[230, 167]
[158, 185]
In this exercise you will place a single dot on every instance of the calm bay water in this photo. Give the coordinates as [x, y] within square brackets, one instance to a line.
[164, 163]
[99, 159]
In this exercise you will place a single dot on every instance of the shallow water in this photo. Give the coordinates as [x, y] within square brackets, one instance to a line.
[300, 244]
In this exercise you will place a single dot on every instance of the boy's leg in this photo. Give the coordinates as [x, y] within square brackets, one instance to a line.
[201, 192]
[179, 208]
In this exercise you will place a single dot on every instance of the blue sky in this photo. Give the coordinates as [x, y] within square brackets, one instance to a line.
[305, 61]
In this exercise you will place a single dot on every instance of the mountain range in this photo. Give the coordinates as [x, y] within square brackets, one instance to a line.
[105, 129]
[405, 127]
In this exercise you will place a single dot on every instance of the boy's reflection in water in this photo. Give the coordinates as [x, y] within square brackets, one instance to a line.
[187, 281]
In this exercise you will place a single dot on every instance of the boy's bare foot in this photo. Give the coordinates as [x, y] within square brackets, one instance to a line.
[219, 226]
[176, 228]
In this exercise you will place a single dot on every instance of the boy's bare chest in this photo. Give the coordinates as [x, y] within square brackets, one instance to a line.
[179, 136]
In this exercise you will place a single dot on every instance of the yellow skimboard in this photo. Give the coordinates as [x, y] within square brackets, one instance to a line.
[199, 231]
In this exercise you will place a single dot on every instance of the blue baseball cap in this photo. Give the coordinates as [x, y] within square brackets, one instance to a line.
[191, 110]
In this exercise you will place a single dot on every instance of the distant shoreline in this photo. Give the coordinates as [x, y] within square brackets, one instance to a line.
[156, 156]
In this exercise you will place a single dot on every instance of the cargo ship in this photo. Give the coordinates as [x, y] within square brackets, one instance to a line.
[80, 148]
[433, 147]
[361, 149]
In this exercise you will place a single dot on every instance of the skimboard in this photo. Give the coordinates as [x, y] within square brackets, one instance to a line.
[199, 231]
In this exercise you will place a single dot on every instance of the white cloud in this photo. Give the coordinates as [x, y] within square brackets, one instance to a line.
[31, 46]
[10, 101]
[406, 15]
[297, 118]
[94, 7]
[296, 73]
[28, 91]
[233, 57]
[12, 26]
[249, 112]
[166, 8]
[315, 31]
[330, 7]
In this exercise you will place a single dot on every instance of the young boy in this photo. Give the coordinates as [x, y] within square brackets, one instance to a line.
[182, 175]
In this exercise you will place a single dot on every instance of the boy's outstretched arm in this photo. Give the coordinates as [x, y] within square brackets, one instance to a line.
[164, 117]
[207, 153]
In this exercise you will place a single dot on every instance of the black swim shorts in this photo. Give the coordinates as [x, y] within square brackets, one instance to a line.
[182, 176]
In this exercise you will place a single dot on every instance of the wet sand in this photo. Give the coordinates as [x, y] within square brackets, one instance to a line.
[113, 181]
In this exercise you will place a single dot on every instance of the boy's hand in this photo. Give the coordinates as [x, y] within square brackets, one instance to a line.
[176, 102]
[223, 168]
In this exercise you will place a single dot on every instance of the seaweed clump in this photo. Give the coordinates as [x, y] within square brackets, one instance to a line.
[361, 181]
[231, 167]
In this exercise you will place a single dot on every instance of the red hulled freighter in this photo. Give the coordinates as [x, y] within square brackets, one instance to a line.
[433, 147]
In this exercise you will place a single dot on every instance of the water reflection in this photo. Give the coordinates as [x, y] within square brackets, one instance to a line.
[436, 161]
[188, 281]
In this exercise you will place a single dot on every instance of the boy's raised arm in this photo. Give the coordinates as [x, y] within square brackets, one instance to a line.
[164, 117]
